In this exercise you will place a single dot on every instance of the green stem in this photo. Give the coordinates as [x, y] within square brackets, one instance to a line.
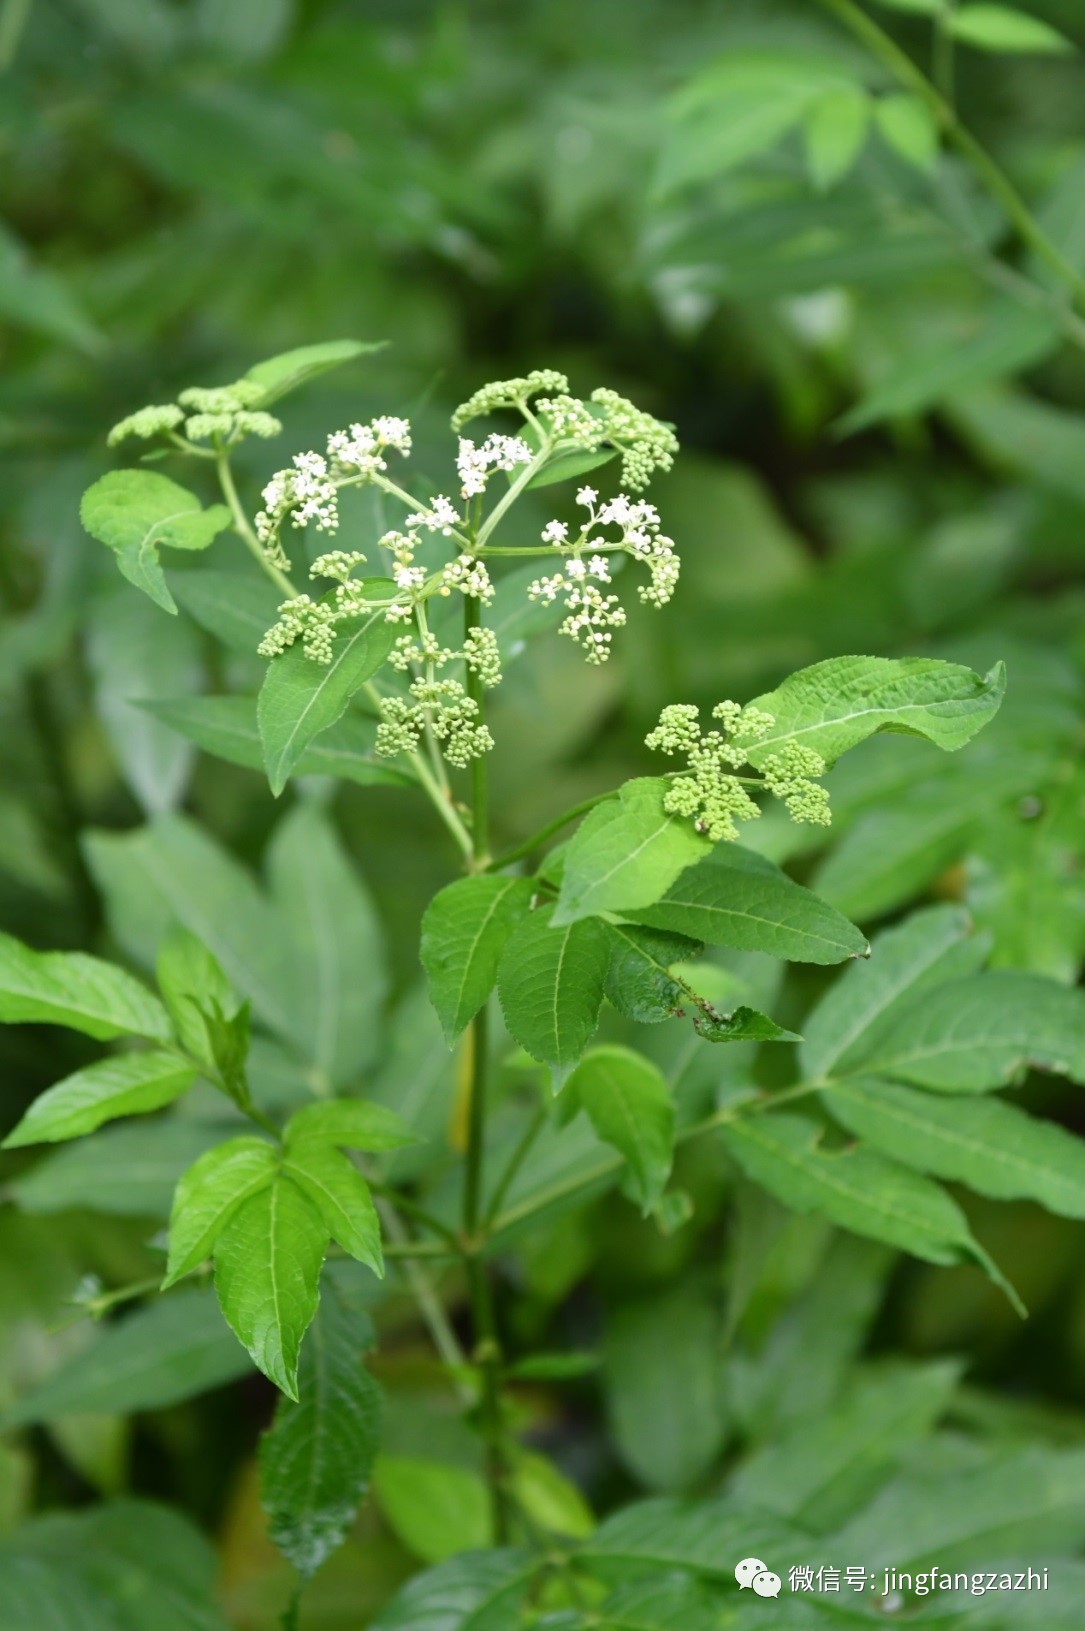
[994, 179]
[505, 504]
[942, 56]
[516, 1161]
[480, 799]
[411, 1209]
[517, 853]
[243, 527]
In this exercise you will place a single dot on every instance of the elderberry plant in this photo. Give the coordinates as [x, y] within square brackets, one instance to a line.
[381, 670]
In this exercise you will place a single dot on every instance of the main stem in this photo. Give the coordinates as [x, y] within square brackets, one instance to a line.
[487, 1351]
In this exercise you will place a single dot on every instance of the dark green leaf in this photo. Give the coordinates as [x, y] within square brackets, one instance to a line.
[639, 981]
[464, 932]
[550, 982]
[628, 1103]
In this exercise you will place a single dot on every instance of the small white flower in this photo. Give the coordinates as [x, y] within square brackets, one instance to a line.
[599, 567]
[576, 568]
[587, 496]
[555, 532]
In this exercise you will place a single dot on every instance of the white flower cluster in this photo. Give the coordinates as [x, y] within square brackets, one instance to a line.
[477, 464]
[310, 490]
[470, 576]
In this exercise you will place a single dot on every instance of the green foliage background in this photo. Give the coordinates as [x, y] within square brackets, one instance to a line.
[880, 394]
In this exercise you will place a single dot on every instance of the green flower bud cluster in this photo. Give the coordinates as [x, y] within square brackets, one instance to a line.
[646, 444]
[710, 793]
[508, 393]
[221, 413]
[449, 713]
[147, 422]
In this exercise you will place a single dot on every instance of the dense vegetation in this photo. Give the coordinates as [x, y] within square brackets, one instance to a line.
[697, 997]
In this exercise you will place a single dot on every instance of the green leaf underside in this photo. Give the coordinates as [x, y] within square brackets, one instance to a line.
[477, 1591]
[286, 372]
[171, 1349]
[73, 989]
[550, 982]
[993, 1147]
[836, 704]
[341, 1196]
[743, 1025]
[316, 1458]
[356, 1124]
[434, 1508]
[227, 728]
[137, 512]
[192, 984]
[909, 127]
[639, 983]
[209, 1194]
[735, 898]
[127, 1084]
[984, 1031]
[855, 1188]
[625, 853]
[629, 1104]
[464, 931]
[300, 698]
[267, 1275]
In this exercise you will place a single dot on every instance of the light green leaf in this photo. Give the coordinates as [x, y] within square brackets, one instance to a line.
[341, 1196]
[316, 1457]
[300, 698]
[836, 128]
[267, 1275]
[704, 1536]
[435, 1509]
[227, 727]
[356, 1124]
[286, 372]
[856, 1189]
[567, 466]
[70, 988]
[128, 1170]
[629, 1104]
[639, 982]
[246, 29]
[170, 1349]
[625, 853]
[238, 606]
[982, 1032]
[736, 898]
[335, 940]
[481, 1591]
[136, 513]
[741, 1025]
[908, 126]
[928, 948]
[209, 1194]
[464, 931]
[126, 1085]
[922, 8]
[192, 984]
[994, 1148]
[840, 702]
[550, 982]
[1004, 28]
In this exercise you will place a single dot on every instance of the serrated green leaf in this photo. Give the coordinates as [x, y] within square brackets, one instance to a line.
[136, 513]
[171, 1349]
[625, 853]
[227, 728]
[300, 698]
[836, 704]
[736, 898]
[703, 1536]
[267, 1276]
[70, 988]
[628, 1102]
[316, 1458]
[464, 931]
[741, 1025]
[289, 369]
[436, 1509]
[128, 1170]
[126, 1085]
[192, 984]
[550, 982]
[835, 130]
[209, 1194]
[1004, 28]
[982, 1032]
[639, 983]
[908, 126]
[994, 1148]
[856, 1189]
[356, 1124]
[341, 1196]
[929, 947]
[479, 1591]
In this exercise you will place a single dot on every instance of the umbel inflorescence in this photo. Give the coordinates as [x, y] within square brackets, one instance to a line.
[712, 793]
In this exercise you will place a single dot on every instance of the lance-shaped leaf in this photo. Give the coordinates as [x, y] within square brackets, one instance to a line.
[267, 1275]
[126, 1085]
[341, 1196]
[984, 1031]
[316, 1457]
[193, 985]
[70, 988]
[994, 1148]
[1005, 28]
[929, 948]
[857, 1189]
[356, 1124]
[741, 1025]
[737, 898]
[464, 931]
[840, 702]
[625, 853]
[209, 1194]
[138, 512]
[629, 1104]
[550, 982]
[639, 981]
[289, 369]
[300, 698]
